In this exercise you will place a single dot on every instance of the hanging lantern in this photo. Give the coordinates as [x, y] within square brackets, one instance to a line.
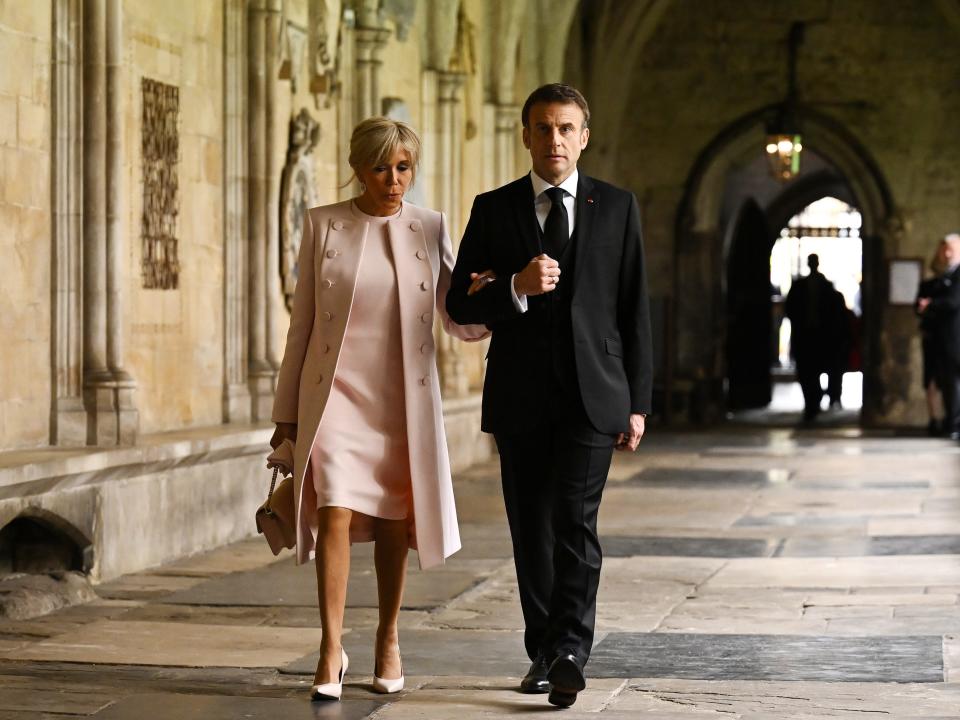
[783, 154]
[783, 131]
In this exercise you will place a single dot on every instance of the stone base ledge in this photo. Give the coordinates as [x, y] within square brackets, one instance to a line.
[172, 494]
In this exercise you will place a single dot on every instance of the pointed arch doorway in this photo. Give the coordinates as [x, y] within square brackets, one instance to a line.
[731, 216]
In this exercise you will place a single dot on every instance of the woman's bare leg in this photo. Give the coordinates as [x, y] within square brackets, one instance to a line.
[390, 558]
[333, 569]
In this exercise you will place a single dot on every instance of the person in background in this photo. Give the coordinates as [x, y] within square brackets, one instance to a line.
[931, 358]
[942, 307]
[817, 320]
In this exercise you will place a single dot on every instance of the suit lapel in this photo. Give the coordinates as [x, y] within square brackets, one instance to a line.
[586, 209]
[525, 216]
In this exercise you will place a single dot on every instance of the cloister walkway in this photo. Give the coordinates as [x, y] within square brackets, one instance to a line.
[748, 573]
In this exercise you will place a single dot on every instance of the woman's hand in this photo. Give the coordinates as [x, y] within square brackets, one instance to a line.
[284, 431]
[480, 281]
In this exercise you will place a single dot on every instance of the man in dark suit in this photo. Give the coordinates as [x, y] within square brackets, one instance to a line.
[943, 310]
[553, 263]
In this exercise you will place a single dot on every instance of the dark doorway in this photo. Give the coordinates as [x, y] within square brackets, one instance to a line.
[34, 545]
[749, 316]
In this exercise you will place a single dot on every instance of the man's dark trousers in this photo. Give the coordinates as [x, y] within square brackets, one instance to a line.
[552, 498]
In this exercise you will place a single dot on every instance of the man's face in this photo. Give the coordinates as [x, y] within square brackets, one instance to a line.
[555, 138]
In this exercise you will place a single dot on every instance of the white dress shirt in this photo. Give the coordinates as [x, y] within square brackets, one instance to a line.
[542, 204]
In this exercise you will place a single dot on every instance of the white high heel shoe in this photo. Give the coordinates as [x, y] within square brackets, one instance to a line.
[331, 691]
[388, 686]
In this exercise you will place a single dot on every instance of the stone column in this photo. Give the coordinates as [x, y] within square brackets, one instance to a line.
[274, 154]
[449, 150]
[68, 417]
[506, 122]
[263, 37]
[127, 416]
[111, 416]
[236, 393]
[369, 42]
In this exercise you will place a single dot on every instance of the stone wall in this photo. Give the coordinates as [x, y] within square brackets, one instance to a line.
[175, 346]
[25, 379]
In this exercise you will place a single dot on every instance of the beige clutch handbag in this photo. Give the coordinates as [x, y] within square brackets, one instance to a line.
[276, 518]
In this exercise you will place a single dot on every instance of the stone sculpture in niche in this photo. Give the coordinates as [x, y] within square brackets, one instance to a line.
[296, 195]
[160, 150]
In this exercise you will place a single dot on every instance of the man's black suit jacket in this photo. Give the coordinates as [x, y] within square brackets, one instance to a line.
[944, 312]
[609, 308]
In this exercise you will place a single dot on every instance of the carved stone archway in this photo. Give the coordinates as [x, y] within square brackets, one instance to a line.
[699, 254]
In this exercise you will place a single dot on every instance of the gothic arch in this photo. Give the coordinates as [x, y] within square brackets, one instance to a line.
[700, 236]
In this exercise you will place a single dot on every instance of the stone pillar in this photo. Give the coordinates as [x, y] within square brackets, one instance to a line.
[68, 417]
[236, 393]
[274, 168]
[108, 390]
[506, 124]
[127, 416]
[369, 42]
[263, 37]
[449, 151]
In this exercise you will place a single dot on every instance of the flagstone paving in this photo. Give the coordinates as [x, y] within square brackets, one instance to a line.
[749, 573]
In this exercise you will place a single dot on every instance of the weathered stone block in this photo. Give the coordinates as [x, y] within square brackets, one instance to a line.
[25, 596]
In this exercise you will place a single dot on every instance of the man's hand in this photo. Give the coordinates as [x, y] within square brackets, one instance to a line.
[922, 304]
[630, 441]
[480, 281]
[541, 275]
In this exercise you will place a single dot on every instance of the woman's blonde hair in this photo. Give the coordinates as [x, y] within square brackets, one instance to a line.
[376, 139]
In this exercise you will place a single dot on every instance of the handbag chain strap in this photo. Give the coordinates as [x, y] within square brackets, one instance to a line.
[273, 484]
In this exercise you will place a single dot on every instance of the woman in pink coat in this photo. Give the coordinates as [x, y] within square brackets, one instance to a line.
[358, 390]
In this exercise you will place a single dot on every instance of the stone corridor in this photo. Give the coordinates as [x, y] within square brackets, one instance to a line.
[749, 573]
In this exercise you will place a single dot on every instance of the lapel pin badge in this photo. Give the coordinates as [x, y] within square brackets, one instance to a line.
[590, 200]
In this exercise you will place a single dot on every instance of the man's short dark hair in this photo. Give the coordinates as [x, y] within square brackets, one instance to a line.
[555, 93]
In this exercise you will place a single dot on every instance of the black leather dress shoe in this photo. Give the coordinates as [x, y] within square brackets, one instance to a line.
[566, 680]
[535, 681]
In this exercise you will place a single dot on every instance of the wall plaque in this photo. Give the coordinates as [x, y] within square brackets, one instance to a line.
[160, 150]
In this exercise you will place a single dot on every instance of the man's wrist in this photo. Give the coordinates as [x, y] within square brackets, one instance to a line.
[519, 300]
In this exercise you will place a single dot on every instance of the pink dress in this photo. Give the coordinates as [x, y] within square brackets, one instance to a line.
[360, 458]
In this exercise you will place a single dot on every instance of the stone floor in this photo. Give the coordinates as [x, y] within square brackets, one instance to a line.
[750, 573]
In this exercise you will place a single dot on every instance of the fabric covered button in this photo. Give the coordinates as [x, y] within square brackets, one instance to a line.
[421, 255]
[425, 318]
[332, 253]
[319, 378]
[424, 285]
[414, 226]
[337, 225]
[425, 348]
[328, 283]
[424, 380]
[324, 348]
[328, 315]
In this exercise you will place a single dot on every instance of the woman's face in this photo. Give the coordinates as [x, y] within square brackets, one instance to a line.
[385, 184]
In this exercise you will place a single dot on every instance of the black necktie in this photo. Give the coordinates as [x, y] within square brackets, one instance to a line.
[556, 229]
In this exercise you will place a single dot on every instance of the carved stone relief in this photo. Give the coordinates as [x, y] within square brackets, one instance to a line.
[293, 43]
[402, 12]
[160, 150]
[324, 55]
[297, 194]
